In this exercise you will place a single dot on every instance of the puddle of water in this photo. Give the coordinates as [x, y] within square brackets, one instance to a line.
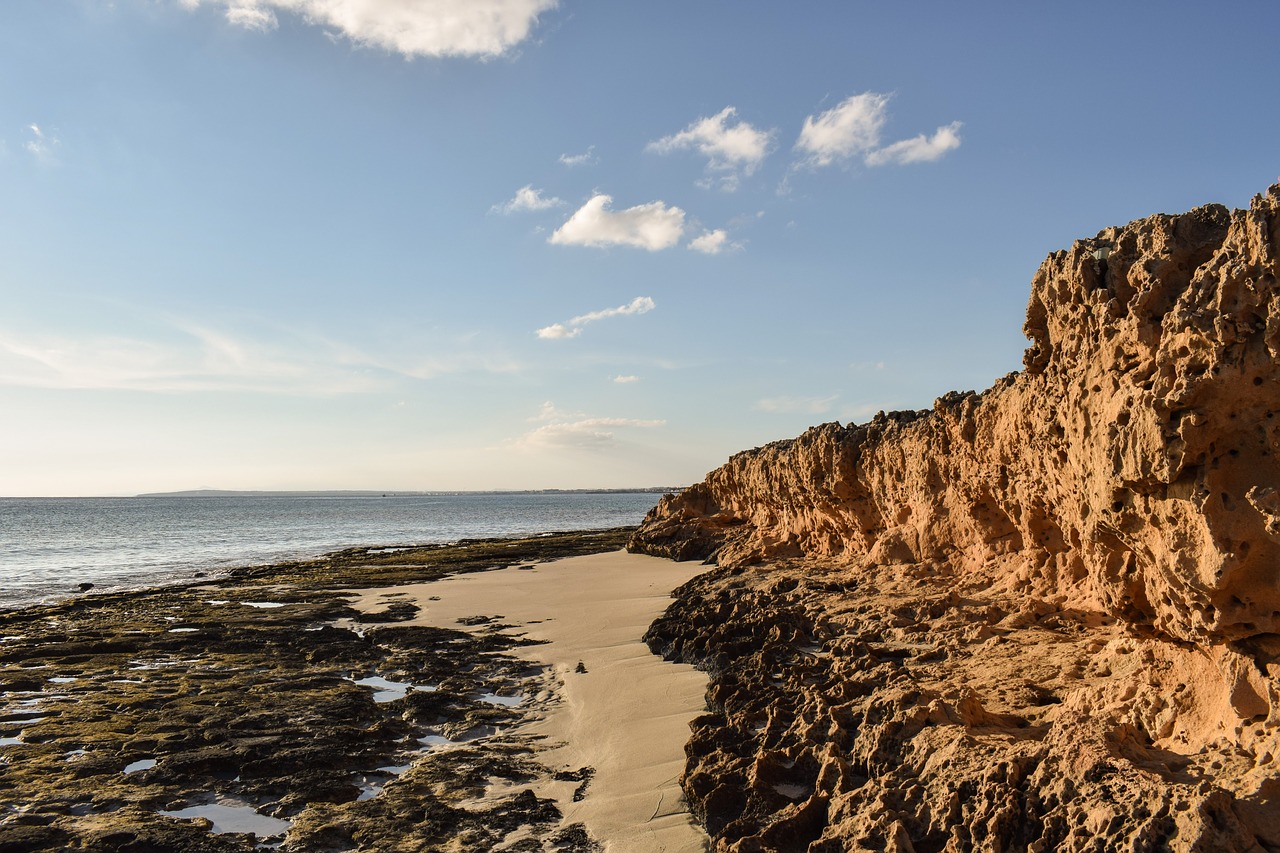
[390, 691]
[395, 769]
[372, 785]
[436, 742]
[11, 741]
[504, 701]
[62, 679]
[234, 816]
[265, 605]
[217, 601]
[182, 630]
[144, 764]
[74, 754]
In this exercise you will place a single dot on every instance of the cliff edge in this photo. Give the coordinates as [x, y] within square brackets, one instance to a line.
[1071, 575]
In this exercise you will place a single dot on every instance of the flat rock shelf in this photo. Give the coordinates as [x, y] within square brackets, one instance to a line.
[262, 709]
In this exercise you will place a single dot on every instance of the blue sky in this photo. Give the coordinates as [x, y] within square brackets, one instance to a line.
[441, 244]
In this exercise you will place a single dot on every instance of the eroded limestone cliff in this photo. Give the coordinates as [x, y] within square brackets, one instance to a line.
[1042, 617]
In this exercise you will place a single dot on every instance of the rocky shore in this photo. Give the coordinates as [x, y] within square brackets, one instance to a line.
[221, 714]
[1045, 617]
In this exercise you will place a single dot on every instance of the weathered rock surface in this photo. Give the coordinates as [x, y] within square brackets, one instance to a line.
[1043, 617]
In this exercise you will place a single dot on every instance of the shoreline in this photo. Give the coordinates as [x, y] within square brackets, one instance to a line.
[181, 574]
[620, 713]
[263, 693]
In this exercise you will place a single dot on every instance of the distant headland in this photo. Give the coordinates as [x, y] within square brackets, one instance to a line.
[373, 493]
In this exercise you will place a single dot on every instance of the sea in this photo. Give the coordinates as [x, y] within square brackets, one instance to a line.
[49, 546]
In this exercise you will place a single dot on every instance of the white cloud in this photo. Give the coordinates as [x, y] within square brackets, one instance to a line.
[557, 331]
[852, 129]
[738, 149]
[626, 380]
[588, 433]
[586, 158]
[43, 146]
[573, 328]
[919, 149]
[251, 16]
[652, 226]
[714, 242]
[847, 130]
[789, 405]
[525, 199]
[483, 28]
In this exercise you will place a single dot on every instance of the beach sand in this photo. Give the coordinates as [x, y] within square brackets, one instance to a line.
[627, 716]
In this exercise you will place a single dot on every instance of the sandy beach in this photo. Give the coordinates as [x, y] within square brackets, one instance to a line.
[617, 709]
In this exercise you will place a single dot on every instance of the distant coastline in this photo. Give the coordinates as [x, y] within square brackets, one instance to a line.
[373, 493]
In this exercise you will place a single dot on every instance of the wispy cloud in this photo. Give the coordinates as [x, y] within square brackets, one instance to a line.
[193, 357]
[653, 226]
[625, 380]
[479, 28]
[548, 411]
[41, 144]
[526, 199]
[583, 434]
[250, 15]
[714, 242]
[738, 149]
[852, 129]
[573, 328]
[918, 149]
[586, 158]
[791, 405]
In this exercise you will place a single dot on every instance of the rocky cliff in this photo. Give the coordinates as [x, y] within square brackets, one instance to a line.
[1042, 617]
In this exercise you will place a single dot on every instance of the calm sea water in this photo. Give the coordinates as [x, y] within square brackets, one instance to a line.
[50, 545]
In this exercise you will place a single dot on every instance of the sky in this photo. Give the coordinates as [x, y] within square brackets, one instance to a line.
[514, 244]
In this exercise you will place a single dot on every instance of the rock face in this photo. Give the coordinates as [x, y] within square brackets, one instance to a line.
[1110, 512]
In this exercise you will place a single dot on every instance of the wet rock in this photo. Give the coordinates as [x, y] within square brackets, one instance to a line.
[199, 697]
